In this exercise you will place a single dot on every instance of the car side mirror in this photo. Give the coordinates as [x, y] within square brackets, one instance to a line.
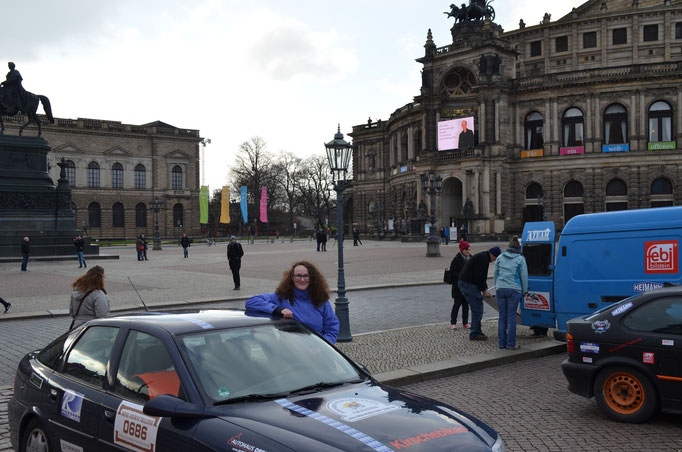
[171, 406]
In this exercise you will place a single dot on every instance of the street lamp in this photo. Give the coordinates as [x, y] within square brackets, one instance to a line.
[156, 205]
[338, 154]
[432, 186]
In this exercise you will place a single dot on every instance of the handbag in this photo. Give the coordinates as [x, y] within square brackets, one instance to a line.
[447, 276]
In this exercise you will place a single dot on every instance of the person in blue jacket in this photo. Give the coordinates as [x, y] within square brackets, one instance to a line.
[302, 294]
[511, 280]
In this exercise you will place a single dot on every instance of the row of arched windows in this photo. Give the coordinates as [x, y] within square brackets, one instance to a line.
[139, 180]
[118, 215]
[615, 122]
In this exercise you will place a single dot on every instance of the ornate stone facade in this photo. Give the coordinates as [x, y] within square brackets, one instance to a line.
[583, 114]
[116, 169]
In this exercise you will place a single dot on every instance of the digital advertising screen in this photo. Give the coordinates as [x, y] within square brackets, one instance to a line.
[456, 134]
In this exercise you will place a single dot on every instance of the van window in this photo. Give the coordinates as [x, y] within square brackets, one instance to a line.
[538, 258]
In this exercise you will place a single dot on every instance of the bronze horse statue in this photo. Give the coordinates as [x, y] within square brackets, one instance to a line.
[29, 108]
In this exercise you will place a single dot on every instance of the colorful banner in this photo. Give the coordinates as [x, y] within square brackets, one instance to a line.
[203, 204]
[615, 148]
[244, 206]
[572, 150]
[264, 205]
[225, 205]
[532, 153]
[660, 145]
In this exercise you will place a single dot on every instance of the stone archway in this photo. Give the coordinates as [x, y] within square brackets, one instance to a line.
[451, 202]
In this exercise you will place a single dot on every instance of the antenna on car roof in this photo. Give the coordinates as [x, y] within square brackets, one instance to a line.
[138, 294]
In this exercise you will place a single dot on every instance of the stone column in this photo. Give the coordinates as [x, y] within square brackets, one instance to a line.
[498, 193]
[643, 126]
[485, 190]
[410, 143]
[497, 120]
[555, 127]
[477, 188]
[587, 120]
[481, 123]
[547, 129]
[390, 151]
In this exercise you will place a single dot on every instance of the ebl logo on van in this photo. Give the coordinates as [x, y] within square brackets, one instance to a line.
[660, 256]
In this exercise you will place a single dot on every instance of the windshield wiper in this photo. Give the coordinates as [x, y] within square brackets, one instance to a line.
[251, 398]
[322, 385]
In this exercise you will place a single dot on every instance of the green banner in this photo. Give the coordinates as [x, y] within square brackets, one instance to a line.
[660, 145]
[203, 204]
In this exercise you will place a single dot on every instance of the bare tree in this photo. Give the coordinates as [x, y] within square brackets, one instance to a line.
[290, 171]
[316, 187]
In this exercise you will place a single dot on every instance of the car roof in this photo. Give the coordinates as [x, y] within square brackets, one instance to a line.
[188, 321]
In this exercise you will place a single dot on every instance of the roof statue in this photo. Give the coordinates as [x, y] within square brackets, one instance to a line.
[14, 99]
[476, 11]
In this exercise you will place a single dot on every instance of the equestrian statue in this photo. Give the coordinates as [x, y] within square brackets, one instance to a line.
[476, 11]
[14, 99]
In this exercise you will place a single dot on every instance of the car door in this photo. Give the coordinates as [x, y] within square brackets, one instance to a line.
[145, 370]
[74, 393]
[537, 308]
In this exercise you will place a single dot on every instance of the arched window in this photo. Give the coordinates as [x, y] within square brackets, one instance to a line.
[660, 122]
[458, 82]
[572, 123]
[176, 178]
[93, 174]
[140, 215]
[615, 124]
[70, 173]
[94, 215]
[118, 215]
[533, 126]
[117, 175]
[661, 193]
[573, 200]
[533, 209]
[616, 195]
[534, 191]
[140, 176]
[178, 219]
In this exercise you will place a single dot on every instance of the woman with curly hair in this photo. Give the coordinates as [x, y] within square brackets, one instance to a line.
[302, 294]
[89, 299]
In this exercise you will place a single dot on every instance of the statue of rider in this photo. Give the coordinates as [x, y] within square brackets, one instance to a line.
[13, 94]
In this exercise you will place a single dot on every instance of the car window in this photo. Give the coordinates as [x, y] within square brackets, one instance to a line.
[52, 354]
[264, 359]
[663, 315]
[146, 369]
[88, 359]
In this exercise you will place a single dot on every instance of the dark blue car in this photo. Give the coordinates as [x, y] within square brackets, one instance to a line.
[219, 381]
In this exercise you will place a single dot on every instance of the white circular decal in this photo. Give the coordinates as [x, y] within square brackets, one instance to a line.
[354, 408]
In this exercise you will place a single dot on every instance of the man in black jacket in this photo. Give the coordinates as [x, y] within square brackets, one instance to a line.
[184, 242]
[472, 283]
[25, 252]
[79, 243]
[234, 258]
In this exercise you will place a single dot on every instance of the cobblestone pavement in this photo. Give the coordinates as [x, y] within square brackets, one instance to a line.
[529, 404]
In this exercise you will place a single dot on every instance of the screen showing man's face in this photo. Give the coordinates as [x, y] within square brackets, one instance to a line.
[464, 126]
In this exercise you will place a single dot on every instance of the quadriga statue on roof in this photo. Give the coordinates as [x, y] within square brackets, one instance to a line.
[15, 99]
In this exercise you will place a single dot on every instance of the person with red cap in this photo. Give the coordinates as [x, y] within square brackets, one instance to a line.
[458, 299]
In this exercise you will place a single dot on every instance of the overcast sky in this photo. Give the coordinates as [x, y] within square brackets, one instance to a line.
[285, 71]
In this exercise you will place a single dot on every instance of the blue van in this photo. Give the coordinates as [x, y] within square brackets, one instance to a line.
[601, 258]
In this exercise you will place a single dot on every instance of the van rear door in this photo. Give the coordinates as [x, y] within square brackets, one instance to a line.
[537, 246]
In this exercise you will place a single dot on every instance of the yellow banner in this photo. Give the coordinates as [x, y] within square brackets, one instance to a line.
[225, 205]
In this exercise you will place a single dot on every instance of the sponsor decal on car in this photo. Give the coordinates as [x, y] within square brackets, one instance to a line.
[538, 236]
[667, 342]
[238, 445]
[660, 256]
[621, 309]
[648, 358]
[646, 286]
[69, 447]
[423, 437]
[353, 409]
[135, 430]
[72, 403]
[600, 326]
[536, 300]
[587, 359]
[36, 380]
[589, 347]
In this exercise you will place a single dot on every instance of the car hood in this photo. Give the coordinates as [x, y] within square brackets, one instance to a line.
[359, 417]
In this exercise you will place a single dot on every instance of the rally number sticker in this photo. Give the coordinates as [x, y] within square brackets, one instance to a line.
[536, 300]
[135, 430]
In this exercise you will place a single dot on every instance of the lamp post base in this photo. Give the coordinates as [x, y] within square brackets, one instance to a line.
[432, 248]
[156, 245]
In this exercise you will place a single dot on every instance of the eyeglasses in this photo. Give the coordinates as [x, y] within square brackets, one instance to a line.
[301, 276]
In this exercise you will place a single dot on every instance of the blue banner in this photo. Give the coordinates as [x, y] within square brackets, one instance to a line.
[245, 210]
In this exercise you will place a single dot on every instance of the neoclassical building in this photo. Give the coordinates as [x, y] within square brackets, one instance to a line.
[578, 115]
[115, 170]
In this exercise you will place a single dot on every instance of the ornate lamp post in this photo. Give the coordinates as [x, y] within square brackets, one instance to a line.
[339, 152]
[432, 186]
[156, 205]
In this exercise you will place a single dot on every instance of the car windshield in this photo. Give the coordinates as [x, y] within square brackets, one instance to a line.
[265, 360]
[621, 302]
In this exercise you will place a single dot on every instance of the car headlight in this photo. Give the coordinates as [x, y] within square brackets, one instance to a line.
[499, 445]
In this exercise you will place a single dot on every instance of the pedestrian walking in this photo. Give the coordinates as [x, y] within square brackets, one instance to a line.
[234, 259]
[144, 249]
[464, 233]
[139, 246]
[89, 299]
[318, 238]
[5, 304]
[302, 294]
[325, 236]
[441, 233]
[356, 237]
[511, 283]
[25, 253]
[446, 232]
[472, 283]
[184, 241]
[458, 299]
[79, 243]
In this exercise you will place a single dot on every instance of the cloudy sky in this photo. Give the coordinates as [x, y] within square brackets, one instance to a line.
[285, 71]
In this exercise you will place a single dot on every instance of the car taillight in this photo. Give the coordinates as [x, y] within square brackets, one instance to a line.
[570, 347]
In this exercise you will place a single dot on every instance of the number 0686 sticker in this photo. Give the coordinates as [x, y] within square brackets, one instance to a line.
[135, 430]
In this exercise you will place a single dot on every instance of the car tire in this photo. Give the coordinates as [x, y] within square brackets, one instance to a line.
[625, 394]
[35, 438]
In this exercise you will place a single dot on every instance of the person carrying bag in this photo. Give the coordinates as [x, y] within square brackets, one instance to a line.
[88, 299]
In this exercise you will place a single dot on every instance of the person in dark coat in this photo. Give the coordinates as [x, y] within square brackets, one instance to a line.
[318, 237]
[144, 244]
[458, 299]
[184, 241]
[25, 252]
[234, 258]
[323, 240]
[356, 237]
[472, 283]
[79, 243]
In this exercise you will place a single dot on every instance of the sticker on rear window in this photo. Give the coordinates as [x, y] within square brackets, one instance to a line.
[223, 391]
[589, 347]
[621, 309]
[72, 402]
